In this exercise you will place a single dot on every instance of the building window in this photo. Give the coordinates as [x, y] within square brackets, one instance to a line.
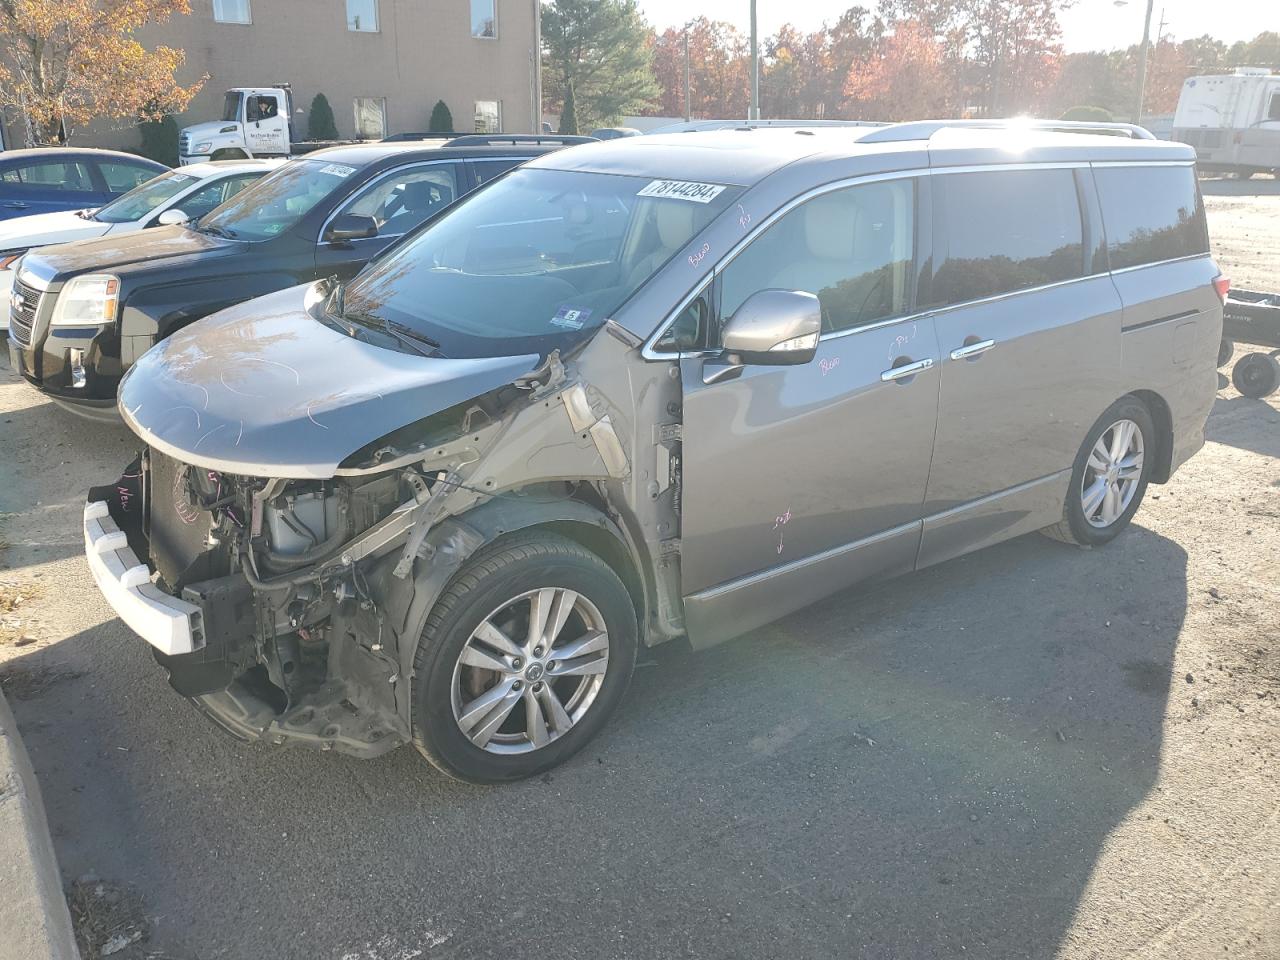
[231, 11]
[488, 116]
[362, 16]
[371, 118]
[484, 19]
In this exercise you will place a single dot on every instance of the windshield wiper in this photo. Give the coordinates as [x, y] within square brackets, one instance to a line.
[215, 231]
[406, 335]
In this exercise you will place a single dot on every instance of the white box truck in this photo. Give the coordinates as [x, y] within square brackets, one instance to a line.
[1233, 121]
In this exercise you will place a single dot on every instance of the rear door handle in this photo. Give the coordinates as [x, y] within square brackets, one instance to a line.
[15, 205]
[906, 370]
[971, 350]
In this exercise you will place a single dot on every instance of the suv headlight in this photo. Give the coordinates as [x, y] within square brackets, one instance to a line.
[88, 300]
[9, 259]
[204, 147]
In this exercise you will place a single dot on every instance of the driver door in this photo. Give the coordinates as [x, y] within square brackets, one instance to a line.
[800, 480]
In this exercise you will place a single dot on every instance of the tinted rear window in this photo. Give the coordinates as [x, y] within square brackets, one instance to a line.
[1151, 214]
[1005, 230]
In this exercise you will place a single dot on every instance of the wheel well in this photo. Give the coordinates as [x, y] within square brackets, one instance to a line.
[1163, 421]
[229, 153]
[608, 548]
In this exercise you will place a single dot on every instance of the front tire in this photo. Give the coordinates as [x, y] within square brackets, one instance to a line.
[522, 660]
[1109, 476]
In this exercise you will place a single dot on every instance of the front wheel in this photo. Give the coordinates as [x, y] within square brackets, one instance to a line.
[1109, 476]
[522, 660]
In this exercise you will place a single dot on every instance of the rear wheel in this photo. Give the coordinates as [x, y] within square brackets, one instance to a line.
[229, 153]
[1225, 350]
[1109, 476]
[523, 659]
[1256, 375]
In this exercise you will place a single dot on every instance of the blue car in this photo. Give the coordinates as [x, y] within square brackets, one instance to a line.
[49, 179]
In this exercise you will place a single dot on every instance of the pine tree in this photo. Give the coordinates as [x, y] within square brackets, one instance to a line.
[568, 114]
[441, 119]
[320, 122]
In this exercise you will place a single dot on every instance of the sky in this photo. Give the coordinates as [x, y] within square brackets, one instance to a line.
[1089, 25]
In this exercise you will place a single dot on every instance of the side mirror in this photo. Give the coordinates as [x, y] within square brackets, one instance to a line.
[774, 328]
[171, 216]
[350, 226]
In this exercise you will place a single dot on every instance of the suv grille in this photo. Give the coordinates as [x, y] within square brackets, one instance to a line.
[23, 305]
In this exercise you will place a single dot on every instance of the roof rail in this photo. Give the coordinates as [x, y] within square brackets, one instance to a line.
[925, 129]
[516, 139]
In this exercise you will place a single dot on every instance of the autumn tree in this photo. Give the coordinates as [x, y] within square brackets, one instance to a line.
[66, 62]
[718, 70]
[902, 80]
[597, 54]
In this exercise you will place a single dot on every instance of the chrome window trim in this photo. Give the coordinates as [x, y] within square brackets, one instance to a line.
[649, 353]
[1207, 255]
[360, 190]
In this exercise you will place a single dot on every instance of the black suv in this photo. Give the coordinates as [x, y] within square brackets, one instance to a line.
[82, 313]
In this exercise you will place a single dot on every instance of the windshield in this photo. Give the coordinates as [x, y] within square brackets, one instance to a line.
[277, 201]
[231, 108]
[527, 264]
[142, 199]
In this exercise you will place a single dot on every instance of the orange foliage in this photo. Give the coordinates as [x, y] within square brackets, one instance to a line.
[69, 61]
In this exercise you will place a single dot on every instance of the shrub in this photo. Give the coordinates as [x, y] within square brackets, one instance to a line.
[1088, 114]
[160, 140]
[441, 119]
[320, 122]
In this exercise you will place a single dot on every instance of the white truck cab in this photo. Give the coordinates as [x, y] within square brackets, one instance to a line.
[255, 123]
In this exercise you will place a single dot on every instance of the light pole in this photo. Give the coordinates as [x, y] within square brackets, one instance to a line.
[1142, 59]
[687, 110]
[754, 112]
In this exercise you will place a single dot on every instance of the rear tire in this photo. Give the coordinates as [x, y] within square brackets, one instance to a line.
[1109, 477]
[1256, 375]
[478, 657]
[1226, 349]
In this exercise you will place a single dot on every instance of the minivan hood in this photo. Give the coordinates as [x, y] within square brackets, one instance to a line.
[265, 390]
[118, 251]
[44, 228]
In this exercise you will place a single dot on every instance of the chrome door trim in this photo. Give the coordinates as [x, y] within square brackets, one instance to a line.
[1158, 263]
[906, 370]
[750, 580]
[972, 350]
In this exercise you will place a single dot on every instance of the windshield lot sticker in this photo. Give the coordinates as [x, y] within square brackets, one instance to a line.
[571, 318]
[682, 190]
[338, 169]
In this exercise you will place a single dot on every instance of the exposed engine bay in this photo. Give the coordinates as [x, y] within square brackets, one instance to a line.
[312, 592]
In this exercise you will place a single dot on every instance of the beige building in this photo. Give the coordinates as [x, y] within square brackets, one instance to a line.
[382, 64]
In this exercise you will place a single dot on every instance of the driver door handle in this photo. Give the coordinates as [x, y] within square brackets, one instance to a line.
[970, 350]
[906, 370]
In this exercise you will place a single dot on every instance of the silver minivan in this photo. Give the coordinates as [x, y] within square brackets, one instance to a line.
[656, 388]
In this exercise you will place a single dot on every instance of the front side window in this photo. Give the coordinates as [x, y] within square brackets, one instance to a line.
[1005, 230]
[488, 116]
[402, 200]
[262, 107]
[1151, 214]
[277, 201]
[52, 175]
[362, 16]
[199, 202]
[231, 11]
[853, 248]
[1273, 112]
[484, 21]
[124, 176]
[140, 201]
[371, 118]
[534, 262]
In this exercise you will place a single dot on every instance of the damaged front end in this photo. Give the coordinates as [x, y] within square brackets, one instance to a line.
[289, 609]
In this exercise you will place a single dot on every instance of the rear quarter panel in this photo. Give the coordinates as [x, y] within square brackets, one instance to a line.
[1169, 343]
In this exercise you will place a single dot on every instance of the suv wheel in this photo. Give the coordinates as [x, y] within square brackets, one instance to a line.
[522, 660]
[1109, 476]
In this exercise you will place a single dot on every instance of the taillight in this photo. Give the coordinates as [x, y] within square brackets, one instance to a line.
[1221, 286]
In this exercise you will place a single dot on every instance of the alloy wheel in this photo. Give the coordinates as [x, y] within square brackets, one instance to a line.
[1112, 473]
[530, 671]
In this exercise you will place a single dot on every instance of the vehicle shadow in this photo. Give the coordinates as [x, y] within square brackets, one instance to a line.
[928, 767]
[1245, 423]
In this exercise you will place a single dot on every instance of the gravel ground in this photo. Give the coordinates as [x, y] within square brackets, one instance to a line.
[1035, 751]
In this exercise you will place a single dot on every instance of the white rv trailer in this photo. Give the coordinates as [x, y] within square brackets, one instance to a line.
[1233, 121]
